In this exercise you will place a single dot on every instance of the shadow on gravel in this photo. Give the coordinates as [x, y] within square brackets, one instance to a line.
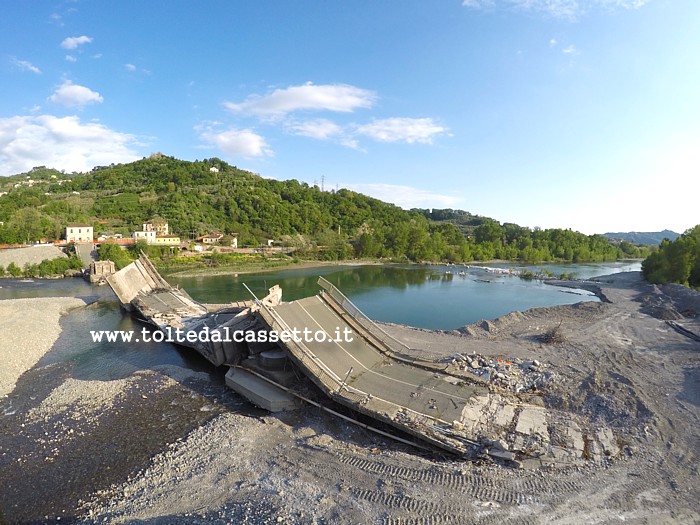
[52, 461]
[691, 386]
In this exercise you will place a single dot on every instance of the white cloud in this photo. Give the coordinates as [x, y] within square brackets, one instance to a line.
[134, 69]
[479, 4]
[570, 50]
[71, 58]
[330, 97]
[321, 129]
[56, 19]
[410, 130]
[60, 142]
[349, 142]
[625, 4]
[277, 109]
[553, 42]
[74, 41]
[406, 196]
[24, 65]
[75, 96]
[237, 142]
[558, 8]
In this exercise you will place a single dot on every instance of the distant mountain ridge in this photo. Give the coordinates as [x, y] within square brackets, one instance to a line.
[643, 237]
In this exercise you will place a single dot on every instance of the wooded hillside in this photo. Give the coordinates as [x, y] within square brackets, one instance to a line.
[202, 196]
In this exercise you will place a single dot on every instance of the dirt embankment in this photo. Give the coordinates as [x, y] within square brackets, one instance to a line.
[169, 447]
[29, 255]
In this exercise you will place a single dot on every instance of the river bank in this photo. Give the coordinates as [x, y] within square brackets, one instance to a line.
[29, 328]
[170, 445]
[261, 268]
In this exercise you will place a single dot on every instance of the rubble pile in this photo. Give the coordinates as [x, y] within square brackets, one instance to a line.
[517, 375]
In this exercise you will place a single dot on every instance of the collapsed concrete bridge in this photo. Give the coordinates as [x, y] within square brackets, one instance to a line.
[368, 370]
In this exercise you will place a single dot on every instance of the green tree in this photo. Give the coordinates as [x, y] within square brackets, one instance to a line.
[113, 252]
[31, 270]
[367, 246]
[489, 231]
[14, 270]
[676, 261]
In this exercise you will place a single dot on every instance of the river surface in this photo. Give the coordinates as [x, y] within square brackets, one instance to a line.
[434, 297]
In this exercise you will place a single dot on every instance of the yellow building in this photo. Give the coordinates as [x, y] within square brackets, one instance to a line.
[167, 240]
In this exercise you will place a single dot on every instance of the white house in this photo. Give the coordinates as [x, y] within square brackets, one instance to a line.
[103, 236]
[148, 236]
[212, 238]
[78, 232]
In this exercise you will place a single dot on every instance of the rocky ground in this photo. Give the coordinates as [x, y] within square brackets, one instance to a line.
[168, 445]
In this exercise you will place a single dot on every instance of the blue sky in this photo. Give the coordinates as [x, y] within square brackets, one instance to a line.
[581, 114]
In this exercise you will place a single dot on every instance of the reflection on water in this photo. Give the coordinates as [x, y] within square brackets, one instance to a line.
[436, 297]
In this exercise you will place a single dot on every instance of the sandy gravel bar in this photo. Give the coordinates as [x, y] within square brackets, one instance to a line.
[28, 329]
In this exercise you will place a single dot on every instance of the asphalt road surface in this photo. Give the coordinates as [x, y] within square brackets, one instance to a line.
[435, 395]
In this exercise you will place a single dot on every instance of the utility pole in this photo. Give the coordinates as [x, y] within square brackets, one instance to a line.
[323, 182]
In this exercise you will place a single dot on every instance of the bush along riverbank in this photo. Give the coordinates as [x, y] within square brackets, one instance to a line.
[48, 268]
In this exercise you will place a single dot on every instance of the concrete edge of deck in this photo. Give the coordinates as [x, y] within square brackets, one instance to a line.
[259, 392]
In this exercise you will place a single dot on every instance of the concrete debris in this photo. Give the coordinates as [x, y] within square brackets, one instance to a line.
[512, 430]
[515, 375]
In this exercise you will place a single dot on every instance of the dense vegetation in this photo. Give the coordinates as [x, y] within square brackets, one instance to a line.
[331, 225]
[676, 261]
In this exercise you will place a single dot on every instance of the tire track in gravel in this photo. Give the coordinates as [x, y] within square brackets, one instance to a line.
[423, 492]
[524, 489]
[462, 519]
